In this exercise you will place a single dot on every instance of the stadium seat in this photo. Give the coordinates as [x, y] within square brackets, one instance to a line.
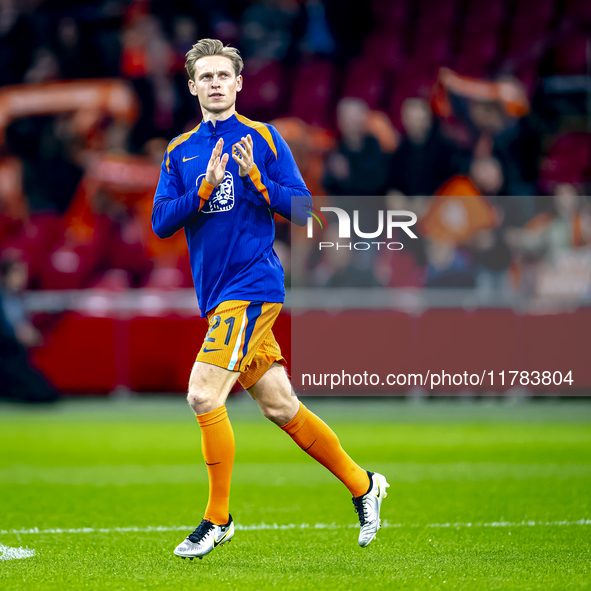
[112, 280]
[261, 92]
[527, 26]
[69, 267]
[483, 17]
[444, 12]
[36, 238]
[432, 49]
[373, 84]
[568, 160]
[126, 251]
[570, 56]
[581, 9]
[312, 93]
[533, 13]
[384, 51]
[165, 278]
[521, 43]
[390, 15]
[477, 53]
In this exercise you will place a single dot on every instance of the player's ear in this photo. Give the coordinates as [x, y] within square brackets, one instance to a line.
[192, 88]
[239, 83]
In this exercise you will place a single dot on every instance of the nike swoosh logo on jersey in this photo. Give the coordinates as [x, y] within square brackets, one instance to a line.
[192, 157]
[206, 350]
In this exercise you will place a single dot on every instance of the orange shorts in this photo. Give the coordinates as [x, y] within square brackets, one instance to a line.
[240, 339]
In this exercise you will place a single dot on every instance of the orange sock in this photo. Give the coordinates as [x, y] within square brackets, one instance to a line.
[318, 440]
[217, 446]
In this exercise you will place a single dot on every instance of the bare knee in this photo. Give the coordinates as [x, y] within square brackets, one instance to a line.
[209, 386]
[202, 400]
[280, 412]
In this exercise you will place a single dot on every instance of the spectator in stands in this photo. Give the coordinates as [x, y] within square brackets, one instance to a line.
[48, 148]
[448, 266]
[154, 149]
[570, 226]
[358, 167]
[425, 159]
[148, 60]
[518, 149]
[318, 39]
[16, 32]
[492, 258]
[487, 176]
[268, 29]
[488, 119]
[341, 267]
[69, 50]
[557, 225]
[45, 67]
[17, 334]
[406, 267]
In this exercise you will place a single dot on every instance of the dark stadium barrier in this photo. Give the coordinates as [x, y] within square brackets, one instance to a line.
[85, 354]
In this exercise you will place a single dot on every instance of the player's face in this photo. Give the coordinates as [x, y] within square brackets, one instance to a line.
[215, 84]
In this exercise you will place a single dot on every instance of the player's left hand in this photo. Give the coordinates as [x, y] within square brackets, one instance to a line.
[246, 160]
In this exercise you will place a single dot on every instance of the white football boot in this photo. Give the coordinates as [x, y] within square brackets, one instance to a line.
[205, 538]
[368, 508]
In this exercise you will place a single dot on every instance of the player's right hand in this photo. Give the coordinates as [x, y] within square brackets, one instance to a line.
[216, 167]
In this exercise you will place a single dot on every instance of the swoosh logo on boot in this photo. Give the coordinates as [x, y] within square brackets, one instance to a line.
[216, 542]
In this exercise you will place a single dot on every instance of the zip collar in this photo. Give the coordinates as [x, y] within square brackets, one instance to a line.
[220, 127]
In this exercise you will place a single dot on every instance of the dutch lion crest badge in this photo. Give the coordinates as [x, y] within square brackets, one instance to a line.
[222, 199]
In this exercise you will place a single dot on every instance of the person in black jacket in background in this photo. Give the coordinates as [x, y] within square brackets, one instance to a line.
[358, 167]
[425, 159]
[18, 380]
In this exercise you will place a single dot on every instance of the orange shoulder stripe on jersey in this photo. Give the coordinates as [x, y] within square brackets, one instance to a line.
[255, 177]
[261, 128]
[176, 142]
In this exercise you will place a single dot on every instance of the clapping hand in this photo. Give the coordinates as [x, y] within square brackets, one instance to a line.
[216, 167]
[246, 160]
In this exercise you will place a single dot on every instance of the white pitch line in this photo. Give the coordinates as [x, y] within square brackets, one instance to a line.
[275, 526]
[10, 553]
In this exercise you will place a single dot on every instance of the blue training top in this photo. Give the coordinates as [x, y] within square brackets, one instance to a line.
[230, 229]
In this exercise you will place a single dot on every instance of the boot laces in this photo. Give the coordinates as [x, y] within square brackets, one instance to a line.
[201, 531]
[360, 508]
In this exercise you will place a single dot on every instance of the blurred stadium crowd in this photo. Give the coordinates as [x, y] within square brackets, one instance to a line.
[463, 111]
[475, 115]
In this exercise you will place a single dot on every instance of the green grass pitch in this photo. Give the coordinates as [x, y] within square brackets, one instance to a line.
[484, 495]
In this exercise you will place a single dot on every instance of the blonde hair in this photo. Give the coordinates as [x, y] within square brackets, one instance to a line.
[207, 47]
